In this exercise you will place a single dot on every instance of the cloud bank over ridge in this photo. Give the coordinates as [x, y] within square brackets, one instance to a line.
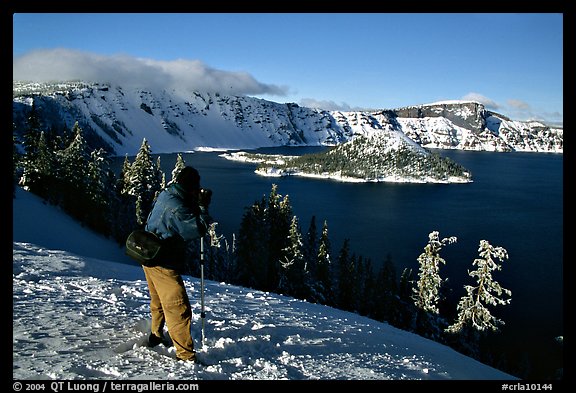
[180, 75]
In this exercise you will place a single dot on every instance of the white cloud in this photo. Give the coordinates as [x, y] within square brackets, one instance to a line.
[518, 110]
[324, 104]
[329, 105]
[519, 105]
[180, 75]
[521, 110]
[487, 102]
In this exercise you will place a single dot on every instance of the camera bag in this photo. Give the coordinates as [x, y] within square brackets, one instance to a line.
[145, 247]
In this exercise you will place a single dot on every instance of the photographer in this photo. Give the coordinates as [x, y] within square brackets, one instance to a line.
[180, 215]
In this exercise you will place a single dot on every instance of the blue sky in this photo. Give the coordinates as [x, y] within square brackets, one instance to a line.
[513, 63]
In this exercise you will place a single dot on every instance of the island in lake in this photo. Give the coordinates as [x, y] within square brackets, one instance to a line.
[378, 157]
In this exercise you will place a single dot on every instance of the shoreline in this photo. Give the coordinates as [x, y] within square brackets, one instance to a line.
[273, 171]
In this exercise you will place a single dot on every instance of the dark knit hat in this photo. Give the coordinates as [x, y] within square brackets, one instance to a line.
[189, 179]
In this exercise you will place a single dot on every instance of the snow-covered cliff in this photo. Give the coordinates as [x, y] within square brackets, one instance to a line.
[118, 119]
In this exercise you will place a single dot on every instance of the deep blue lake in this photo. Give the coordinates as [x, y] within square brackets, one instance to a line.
[515, 201]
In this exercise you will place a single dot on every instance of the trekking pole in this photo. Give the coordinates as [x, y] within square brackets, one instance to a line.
[202, 313]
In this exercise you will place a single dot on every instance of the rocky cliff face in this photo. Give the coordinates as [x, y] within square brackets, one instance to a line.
[469, 115]
[118, 119]
[469, 126]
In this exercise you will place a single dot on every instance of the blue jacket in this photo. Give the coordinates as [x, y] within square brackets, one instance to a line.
[172, 216]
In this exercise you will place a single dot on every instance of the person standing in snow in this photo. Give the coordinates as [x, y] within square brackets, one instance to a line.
[180, 214]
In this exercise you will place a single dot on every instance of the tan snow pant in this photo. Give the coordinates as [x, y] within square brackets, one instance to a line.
[169, 304]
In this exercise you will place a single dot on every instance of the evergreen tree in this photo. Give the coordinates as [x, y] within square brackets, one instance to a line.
[143, 182]
[74, 160]
[231, 261]
[346, 278]
[387, 302]
[39, 168]
[15, 162]
[221, 256]
[97, 173]
[427, 291]
[31, 138]
[123, 182]
[122, 206]
[215, 256]
[161, 176]
[293, 272]
[180, 164]
[279, 218]
[70, 188]
[98, 191]
[405, 288]
[323, 282]
[472, 308]
[262, 241]
[62, 139]
[407, 310]
[310, 248]
[253, 246]
[45, 161]
[366, 292]
[32, 133]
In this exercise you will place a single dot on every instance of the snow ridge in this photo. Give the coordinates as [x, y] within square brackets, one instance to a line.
[119, 118]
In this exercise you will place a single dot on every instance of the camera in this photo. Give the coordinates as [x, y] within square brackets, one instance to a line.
[205, 197]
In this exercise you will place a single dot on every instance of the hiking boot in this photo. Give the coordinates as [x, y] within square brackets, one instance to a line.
[190, 359]
[154, 340]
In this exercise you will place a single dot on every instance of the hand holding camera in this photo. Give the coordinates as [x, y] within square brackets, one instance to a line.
[205, 197]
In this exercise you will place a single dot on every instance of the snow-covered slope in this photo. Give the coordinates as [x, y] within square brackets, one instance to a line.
[118, 119]
[468, 125]
[82, 314]
[171, 123]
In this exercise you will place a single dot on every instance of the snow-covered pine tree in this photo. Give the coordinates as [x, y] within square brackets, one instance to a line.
[323, 282]
[279, 218]
[45, 161]
[262, 238]
[15, 163]
[161, 176]
[71, 187]
[97, 172]
[30, 140]
[426, 294]
[405, 286]
[220, 255]
[122, 204]
[74, 160]
[178, 166]
[310, 248]
[100, 192]
[39, 168]
[123, 182]
[143, 182]
[253, 246]
[293, 273]
[62, 138]
[31, 176]
[472, 308]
